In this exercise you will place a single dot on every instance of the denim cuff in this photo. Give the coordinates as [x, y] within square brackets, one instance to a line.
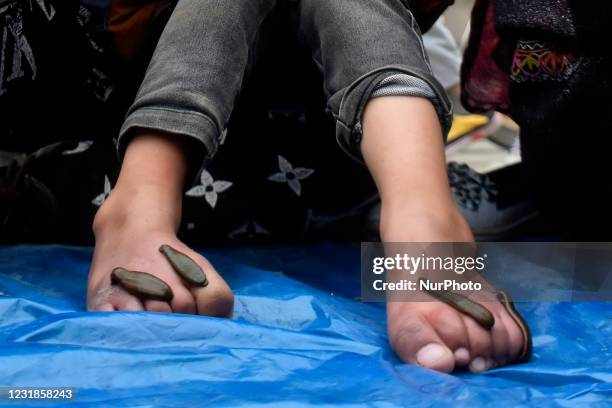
[192, 124]
[385, 81]
[404, 85]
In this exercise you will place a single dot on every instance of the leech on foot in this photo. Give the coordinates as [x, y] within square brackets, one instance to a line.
[464, 305]
[485, 318]
[505, 300]
[142, 284]
[186, 267]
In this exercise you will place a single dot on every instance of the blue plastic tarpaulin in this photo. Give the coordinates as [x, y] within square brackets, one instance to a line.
[298, 338]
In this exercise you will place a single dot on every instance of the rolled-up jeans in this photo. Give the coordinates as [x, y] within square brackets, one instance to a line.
[198, 68]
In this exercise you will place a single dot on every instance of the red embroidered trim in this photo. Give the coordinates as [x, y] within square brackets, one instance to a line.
[536, 61]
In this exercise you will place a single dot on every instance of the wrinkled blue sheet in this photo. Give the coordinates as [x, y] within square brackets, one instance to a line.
[298, 339]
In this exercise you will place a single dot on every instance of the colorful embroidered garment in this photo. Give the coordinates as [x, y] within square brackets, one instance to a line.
[536, 61]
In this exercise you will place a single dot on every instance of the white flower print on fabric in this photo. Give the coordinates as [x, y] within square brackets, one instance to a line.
[81, 147]
[102, 197]
[47, 8]
[209, 189]
[290, 175]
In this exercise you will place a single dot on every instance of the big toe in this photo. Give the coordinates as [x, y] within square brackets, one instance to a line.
[216, 300]
[436, 357]
[416, 341]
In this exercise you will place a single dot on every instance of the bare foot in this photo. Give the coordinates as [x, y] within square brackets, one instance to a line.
[435, 335]
[133, 242]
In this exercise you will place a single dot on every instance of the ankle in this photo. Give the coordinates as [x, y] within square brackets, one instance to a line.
[147, 208]
[412, 224]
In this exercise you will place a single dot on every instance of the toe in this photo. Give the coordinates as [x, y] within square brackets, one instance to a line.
[451, 329]
[106, 307]
[415, 341]
[183, 301]
[436, 356]
[129, 303]
[113, 298]
[479, 364]
[500, 341]
[215, 300]
[515, 337]
[462, 357]
[157, 306]
[481, 345]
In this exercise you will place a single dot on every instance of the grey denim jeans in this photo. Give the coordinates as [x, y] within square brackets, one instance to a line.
[197, 70]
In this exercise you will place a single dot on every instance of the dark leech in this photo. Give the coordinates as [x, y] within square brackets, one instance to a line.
[484, 318]
[142, 284]
[464, 305]
[186, 267]
[526, 351]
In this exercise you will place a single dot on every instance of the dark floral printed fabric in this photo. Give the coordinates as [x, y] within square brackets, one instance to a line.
[280, 176]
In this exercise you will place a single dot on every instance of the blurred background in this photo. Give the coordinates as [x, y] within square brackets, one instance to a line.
[483, 153]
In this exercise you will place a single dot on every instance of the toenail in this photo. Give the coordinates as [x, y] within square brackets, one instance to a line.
[430, 354]
[462, 354]
[478, 364]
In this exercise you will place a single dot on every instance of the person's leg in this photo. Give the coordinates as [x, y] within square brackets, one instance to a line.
[366, 48]
[362, 47]
[404, 151]
[179, 114]
[197, 70]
